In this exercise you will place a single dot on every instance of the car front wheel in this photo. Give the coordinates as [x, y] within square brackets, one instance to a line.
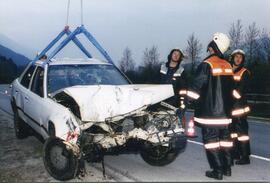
[59, 160]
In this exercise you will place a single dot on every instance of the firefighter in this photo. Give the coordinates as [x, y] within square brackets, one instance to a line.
[173, 73]
[212, 91]
[239, 130]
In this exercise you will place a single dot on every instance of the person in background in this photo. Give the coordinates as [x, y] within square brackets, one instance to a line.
[173, 73]
[239, 126]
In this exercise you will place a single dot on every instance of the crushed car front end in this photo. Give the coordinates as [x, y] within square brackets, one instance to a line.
[105, 114]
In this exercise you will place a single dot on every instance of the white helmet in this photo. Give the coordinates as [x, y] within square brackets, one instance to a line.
[238, 51]
[222, 41]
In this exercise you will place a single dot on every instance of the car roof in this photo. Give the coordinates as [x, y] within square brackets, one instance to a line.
[74, 61]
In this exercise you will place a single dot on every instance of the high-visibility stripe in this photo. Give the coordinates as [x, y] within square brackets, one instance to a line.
[182, 106]
[226, 144]
[217, 70]
[236, 94]
[218, 121]
[176, 74]
[228, 70]
[191, 94]
[243, 138]
[163, 72]
[237, 78]
[247, 109]
[234, 135]
[183, 92]
[240, 111]
[212, 145]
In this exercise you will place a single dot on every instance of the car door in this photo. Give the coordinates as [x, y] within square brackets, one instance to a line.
[21, 90]
[34, 100]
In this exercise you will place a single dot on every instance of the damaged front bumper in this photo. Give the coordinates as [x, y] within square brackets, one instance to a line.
[158, 138]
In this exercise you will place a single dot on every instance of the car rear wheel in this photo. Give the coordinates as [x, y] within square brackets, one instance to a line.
[59, 160]
[20, 127]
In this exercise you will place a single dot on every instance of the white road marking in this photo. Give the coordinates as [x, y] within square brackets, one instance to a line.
[195, 142]
[252, 155]
[260, 157]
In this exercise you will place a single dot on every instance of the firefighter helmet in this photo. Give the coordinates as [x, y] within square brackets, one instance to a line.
[239, 51]
[222, 41]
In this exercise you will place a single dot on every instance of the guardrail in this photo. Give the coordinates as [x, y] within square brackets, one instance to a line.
[255, 98]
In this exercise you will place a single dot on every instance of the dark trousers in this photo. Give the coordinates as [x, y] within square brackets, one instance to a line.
[239, 134]
[218, 146]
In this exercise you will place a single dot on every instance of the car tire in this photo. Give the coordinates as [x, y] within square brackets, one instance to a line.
[60, 161]
[158, 155]
[20, 127]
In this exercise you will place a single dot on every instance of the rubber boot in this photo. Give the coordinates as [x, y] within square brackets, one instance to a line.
[235, 150]
[216, 164]
[214, 174]
[243, 161]
[209, 159]
[227, 161]
[245, 152]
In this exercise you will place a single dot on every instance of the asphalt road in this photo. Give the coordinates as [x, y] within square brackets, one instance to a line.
[189, 166]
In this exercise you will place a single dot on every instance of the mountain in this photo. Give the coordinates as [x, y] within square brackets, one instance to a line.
[18, 59]
[13, 45]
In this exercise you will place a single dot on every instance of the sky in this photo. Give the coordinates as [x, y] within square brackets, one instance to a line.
[137, 24]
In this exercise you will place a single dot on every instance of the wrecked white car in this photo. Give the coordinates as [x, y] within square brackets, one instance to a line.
[85, 109]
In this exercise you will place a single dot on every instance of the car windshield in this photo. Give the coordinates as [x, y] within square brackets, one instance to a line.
[63, 76]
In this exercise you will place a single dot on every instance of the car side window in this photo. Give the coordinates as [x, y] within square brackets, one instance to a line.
[37, 84]
[27, 76]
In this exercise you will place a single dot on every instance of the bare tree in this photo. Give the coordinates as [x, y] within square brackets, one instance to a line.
[265, 45]
[151, 57]
[193, 50]
[251, 37]
[127, 62]
[236, 34]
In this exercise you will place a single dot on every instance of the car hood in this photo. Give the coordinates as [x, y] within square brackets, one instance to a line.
[99, 102]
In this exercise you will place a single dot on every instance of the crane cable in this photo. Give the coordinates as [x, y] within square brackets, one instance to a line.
[81, 12]
[68, 8]
[67, 12]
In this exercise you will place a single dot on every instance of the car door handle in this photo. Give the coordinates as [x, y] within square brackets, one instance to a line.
[26, 98]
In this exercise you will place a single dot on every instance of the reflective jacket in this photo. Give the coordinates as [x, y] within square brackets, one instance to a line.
[175, 76]
[212, 89]
[241, 77]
